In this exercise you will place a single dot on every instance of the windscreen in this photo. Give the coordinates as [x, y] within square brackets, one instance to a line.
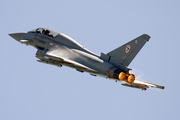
[44, 31]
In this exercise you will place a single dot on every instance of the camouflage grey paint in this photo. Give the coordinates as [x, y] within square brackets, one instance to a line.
[58, 49]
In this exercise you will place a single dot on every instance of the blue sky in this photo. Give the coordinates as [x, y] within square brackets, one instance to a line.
[31, 91]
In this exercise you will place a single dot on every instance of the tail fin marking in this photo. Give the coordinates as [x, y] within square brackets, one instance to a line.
[125, 54]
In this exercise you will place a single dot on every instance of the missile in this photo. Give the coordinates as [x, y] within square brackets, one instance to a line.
[134, 86]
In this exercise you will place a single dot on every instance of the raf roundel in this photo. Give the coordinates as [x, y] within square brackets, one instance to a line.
[127, 48]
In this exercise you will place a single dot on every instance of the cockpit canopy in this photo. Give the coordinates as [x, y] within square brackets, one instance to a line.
[44, 31]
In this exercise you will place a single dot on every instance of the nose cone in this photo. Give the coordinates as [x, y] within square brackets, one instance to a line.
[17, 36]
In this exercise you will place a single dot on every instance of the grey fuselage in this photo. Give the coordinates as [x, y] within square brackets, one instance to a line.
[68, 52]
[58, 49]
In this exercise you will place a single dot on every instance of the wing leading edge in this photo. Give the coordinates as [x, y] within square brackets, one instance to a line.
[70, 63]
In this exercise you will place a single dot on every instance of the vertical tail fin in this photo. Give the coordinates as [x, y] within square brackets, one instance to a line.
[126, 53]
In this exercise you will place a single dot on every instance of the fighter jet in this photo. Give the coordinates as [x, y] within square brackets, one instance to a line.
[57, 49]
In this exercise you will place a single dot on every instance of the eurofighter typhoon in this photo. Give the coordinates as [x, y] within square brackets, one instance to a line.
[58, 49]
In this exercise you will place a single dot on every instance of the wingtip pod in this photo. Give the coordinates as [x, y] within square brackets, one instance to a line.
[146, 37]
[159, 86]
[154, 85]
[147, 84]
[142, 86]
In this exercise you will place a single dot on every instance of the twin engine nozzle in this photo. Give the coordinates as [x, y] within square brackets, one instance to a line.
[125, 77]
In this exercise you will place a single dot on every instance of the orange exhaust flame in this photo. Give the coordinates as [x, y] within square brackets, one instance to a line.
[125, 77]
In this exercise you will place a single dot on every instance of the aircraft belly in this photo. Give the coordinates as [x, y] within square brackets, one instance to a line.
[92, 62]
[88, 62]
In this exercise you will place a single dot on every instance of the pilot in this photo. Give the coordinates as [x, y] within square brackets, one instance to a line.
[47, 32]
